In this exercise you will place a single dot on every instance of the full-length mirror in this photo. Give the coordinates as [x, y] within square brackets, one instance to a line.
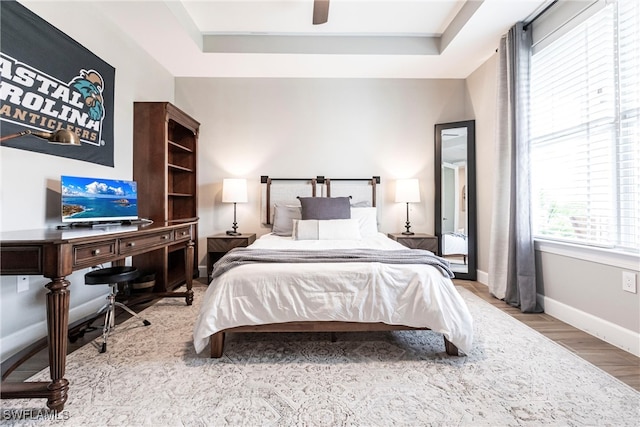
[455, 202]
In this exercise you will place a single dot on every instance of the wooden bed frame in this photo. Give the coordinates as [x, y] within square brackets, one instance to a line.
[217, 339]
[464, 256]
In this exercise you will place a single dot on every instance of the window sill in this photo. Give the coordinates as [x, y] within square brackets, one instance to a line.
[588, 253]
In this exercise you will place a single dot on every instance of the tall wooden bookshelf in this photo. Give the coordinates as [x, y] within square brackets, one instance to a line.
[165, 143]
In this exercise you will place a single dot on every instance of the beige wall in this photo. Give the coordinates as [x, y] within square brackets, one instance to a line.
[306, 127]
[481, 91]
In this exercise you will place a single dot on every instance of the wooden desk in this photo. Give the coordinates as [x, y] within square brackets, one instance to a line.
[55, 254]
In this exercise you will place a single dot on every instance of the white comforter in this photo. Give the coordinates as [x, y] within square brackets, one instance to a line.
[410, 295]
[453, 244]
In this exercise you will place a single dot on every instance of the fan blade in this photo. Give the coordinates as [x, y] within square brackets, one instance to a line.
[320, 11]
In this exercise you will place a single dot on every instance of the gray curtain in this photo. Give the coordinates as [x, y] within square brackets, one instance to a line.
[512, 263]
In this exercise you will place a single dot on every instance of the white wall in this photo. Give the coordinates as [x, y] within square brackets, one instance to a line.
[30, 182]
[340, 128]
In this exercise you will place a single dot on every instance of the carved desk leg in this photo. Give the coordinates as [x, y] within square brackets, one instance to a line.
[57, 326]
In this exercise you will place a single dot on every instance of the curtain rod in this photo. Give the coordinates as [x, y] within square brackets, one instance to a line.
[528, 21]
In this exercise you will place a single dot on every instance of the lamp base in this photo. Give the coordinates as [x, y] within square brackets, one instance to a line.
[234, 232]
[407, 225]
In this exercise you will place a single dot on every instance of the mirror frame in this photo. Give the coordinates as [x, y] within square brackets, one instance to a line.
[471, 273]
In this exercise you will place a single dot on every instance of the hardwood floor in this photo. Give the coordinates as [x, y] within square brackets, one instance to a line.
[620, 364]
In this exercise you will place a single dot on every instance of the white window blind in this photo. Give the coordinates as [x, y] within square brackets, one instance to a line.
[585, 131]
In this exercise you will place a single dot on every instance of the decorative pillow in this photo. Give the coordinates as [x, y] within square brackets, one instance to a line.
[325, 207]
[305, 229]
[283, 217]
[367, 220]
[361, 204]
[333, 229]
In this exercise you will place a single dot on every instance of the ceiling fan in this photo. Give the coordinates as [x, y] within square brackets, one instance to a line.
[320, 11]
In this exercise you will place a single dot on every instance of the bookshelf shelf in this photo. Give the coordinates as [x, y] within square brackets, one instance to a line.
[165, 151]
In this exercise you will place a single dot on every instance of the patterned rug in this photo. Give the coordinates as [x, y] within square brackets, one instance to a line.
[152, 376]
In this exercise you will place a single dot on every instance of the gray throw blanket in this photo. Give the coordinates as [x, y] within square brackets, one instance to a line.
[241, 256]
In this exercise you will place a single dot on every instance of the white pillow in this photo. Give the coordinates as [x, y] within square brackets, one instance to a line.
[329, 229]
[367, 220]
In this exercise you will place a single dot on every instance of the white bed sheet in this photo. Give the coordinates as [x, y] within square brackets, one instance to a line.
[454, 245]
[396, 294]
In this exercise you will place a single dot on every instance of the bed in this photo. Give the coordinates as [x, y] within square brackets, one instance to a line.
[455, 245]
[331, 275]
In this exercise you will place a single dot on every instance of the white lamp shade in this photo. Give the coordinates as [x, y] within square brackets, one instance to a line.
[407, 190]
[234, 190]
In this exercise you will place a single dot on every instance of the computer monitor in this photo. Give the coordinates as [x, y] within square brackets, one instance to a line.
[98, 200]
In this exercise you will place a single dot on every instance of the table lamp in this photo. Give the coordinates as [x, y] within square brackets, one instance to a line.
[234, 190]
[407, 191]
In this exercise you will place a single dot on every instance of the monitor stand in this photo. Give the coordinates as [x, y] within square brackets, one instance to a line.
[109, 224]
[93, 224]
[126, 222]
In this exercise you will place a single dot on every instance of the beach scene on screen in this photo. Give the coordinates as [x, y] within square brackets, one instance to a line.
[96, 199]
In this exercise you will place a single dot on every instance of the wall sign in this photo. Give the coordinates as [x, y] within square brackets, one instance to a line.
[48, 81]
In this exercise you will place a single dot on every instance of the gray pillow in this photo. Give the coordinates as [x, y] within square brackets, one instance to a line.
[325, 207]
[283, 217]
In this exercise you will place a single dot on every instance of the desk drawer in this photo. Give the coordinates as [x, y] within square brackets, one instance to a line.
[21, 260]
[130, 245]
[94, 253]
[183, 233]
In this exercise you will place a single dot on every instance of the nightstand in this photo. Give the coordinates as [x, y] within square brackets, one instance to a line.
[220, 244]
[416, 241]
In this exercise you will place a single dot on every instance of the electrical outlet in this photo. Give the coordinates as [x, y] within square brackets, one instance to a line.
[22, 283]
[629, 281]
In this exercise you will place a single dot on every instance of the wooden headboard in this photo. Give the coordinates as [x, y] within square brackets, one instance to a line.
[361, 190]
[286, 191]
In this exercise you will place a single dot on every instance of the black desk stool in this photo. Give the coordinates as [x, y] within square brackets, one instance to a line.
[112, 276]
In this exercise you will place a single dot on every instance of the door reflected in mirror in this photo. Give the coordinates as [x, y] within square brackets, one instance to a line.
[455, 214]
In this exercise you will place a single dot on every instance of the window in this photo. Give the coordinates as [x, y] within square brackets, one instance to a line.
[585, 131]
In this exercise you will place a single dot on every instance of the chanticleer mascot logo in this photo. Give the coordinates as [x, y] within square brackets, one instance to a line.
[90, 85]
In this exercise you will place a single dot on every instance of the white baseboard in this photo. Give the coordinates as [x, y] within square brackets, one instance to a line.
[609, 332]
[482, 277]
[202, 270]
[12, 344]
[23, 338]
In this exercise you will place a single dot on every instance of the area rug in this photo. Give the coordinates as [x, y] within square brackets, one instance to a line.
[152, 376]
